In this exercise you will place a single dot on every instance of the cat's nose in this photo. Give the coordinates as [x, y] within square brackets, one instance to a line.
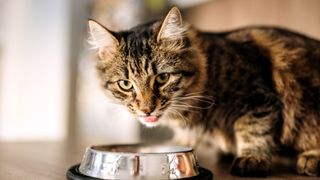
[147, 110]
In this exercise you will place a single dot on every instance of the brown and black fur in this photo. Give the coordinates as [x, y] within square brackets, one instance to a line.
[258, 87]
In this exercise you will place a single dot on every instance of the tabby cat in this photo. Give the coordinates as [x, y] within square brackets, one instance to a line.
[249, 91]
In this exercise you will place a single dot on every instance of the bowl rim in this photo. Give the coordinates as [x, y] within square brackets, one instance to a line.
[181, 150]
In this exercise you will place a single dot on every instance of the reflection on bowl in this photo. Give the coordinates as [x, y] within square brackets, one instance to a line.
[139, 162]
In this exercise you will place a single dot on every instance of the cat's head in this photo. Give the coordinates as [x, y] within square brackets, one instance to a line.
[156, 70]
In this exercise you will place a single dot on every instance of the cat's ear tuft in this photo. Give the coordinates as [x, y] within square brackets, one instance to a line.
[172, 27]
[101, 38]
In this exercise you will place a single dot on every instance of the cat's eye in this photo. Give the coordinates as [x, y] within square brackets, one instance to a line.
[162, 78]
[125, 85]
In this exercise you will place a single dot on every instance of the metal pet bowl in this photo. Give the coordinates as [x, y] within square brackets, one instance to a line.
[138, 162]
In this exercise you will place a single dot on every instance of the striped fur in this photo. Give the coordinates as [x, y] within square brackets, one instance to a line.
[254, 89]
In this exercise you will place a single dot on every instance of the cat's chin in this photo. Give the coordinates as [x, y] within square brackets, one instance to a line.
[148, 124]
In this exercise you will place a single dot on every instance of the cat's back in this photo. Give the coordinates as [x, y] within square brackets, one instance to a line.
[286, 50]
[269, 33]
[272, 41]
[294, 69]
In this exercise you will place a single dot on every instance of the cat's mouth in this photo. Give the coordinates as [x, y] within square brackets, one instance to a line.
[149, 121]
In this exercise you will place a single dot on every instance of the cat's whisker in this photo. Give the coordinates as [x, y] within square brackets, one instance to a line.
[198, 94]
[195, 93]
[177, 107]
[195, 97]
[174, 111]
[184, 103]
[187, 106]
[209, 101]
[183, 108]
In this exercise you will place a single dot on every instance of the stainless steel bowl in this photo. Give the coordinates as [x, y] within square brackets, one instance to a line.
[139, 162]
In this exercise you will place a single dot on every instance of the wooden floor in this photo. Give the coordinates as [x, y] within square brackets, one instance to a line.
[51, 160]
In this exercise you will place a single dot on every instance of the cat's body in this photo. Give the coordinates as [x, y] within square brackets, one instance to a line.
[246, 92]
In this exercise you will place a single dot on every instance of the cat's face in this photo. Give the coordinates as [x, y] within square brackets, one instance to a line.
[150, 69]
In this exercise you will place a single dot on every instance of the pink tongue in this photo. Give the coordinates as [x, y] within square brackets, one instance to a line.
[151, 119]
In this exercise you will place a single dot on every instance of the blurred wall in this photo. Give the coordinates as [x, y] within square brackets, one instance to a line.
[299, 15]
[34, 84]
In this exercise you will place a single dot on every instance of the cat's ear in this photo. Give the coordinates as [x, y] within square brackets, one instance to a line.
[101, 38]
[172, 27]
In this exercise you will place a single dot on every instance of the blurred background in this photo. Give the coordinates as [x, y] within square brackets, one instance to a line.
[48, 86]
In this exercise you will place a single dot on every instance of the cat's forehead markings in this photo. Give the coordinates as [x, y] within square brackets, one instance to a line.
[125, 72]
[154, 68]
[136, 42]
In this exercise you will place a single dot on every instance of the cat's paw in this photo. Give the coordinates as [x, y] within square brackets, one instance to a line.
[308, 165]
[251, 166]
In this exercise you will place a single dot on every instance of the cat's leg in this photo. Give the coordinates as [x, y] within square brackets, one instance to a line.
[308, 163]
[254, 134]
[306, 141]
[185, 136]
[201, 142]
